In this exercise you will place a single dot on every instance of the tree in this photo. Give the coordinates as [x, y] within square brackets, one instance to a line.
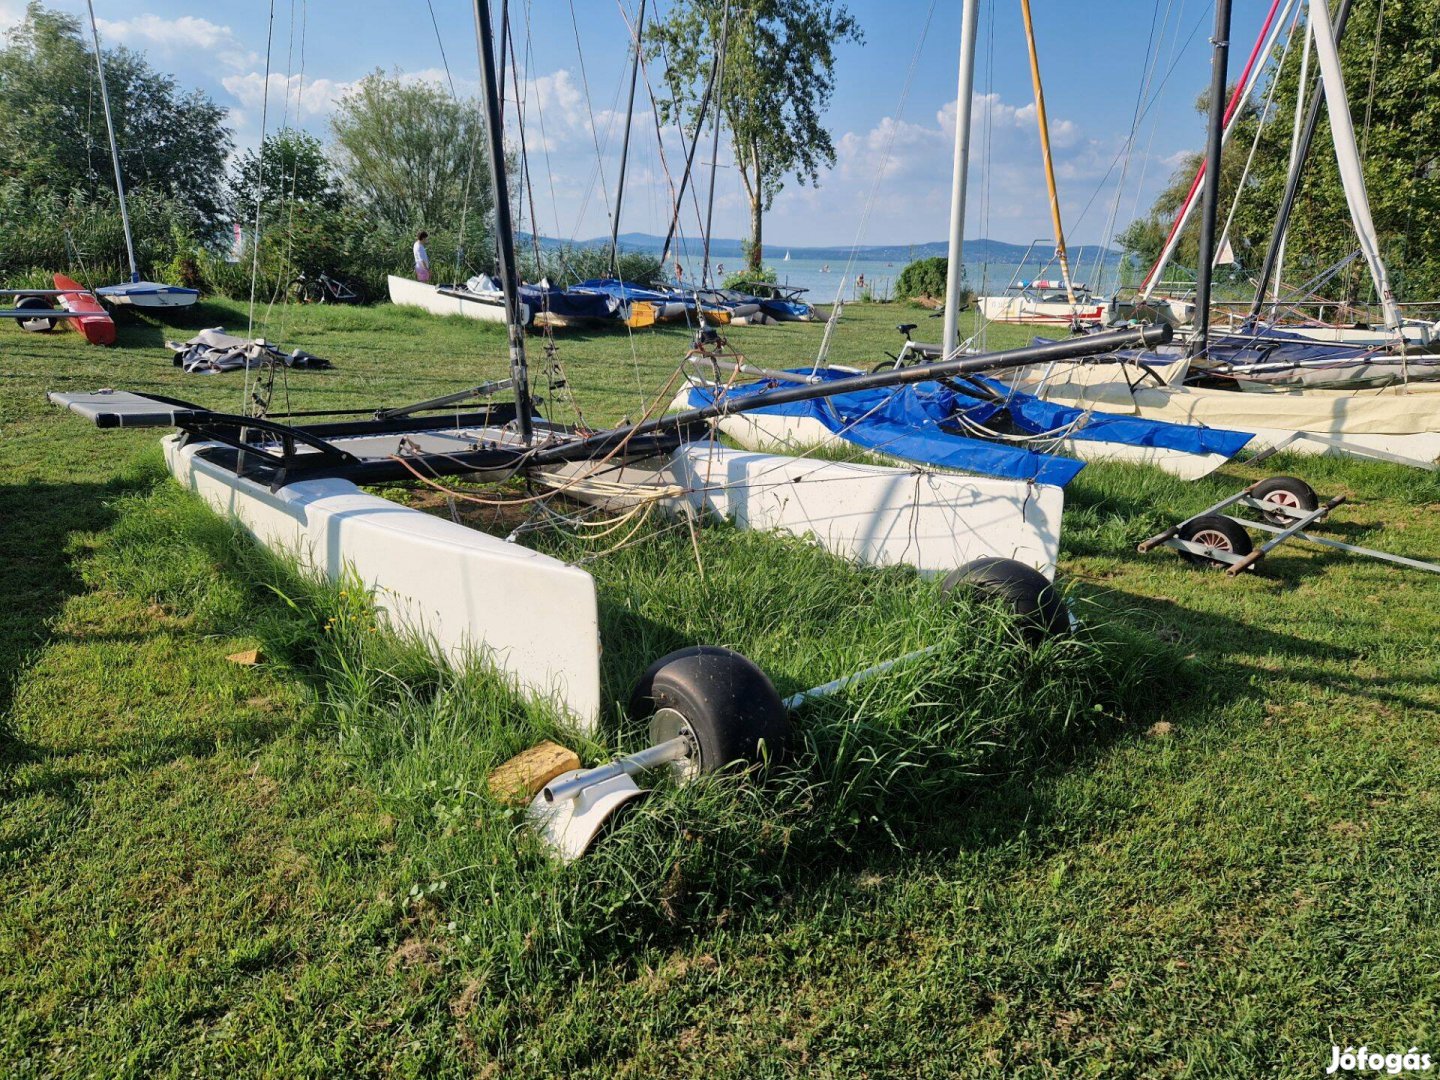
[290, 169]
[52, 127]
[1390, 53]
[412, 155]
[778, 80]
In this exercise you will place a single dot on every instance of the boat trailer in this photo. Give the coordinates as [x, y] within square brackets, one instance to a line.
[1288, 508]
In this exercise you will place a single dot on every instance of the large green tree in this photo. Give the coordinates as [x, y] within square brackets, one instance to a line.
[778, 80]
[412, 155]
[1390, 55]
[289, 169]
[52, 127]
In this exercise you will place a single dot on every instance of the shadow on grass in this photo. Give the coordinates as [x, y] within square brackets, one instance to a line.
[37, 572]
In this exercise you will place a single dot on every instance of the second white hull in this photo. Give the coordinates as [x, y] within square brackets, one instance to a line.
[761, 431]
[433, 299]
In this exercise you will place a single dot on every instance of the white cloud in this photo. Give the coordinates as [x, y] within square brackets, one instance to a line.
[186, 33]
[302, 100]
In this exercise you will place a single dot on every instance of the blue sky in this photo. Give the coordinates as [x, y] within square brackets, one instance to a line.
[891, 183]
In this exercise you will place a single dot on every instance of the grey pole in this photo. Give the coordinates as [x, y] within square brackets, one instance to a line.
[114, 149]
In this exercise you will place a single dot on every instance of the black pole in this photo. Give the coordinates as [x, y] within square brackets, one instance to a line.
[1292, 181]
[504, 228]
[1210, 206]
[690, 158]
[625, 147]
[1066, 349]
[715, 147]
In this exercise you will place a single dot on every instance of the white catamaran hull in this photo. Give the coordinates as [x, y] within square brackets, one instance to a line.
[1392, 421]
[793, 434]
[873, 514]
[440, 301]
[533, 617]
[1024, 309]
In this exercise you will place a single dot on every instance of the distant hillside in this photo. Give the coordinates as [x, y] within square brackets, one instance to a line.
[995, 251]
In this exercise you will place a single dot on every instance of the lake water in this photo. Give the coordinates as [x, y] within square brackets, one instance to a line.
[825, 279]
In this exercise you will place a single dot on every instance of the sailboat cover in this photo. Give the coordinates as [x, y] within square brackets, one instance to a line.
[924, 423]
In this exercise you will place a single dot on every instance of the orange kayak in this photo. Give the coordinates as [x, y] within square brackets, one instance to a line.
[93, 320]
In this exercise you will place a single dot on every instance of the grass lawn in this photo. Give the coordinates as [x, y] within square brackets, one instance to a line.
[1202, 841]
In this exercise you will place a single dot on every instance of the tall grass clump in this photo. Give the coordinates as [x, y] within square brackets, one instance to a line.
[868, 769]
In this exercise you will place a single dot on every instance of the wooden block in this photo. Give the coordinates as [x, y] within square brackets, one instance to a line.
[249, 658]
[518, 780]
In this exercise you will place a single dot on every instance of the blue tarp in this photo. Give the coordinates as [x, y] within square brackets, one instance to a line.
[917, 423]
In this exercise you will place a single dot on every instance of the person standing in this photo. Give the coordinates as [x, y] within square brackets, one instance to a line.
[422, 257]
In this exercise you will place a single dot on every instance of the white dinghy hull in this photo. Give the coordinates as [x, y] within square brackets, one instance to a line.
[148, 294]
[432, 298]
[533, 617]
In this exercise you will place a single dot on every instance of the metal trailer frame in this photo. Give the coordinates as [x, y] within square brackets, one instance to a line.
[1300, 521]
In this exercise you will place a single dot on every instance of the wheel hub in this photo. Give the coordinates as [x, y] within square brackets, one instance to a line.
[1213, 538]
[667, 724]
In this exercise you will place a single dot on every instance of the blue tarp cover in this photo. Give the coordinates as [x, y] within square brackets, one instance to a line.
[906, 422]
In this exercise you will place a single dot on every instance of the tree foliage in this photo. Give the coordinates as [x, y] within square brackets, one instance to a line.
[778, 80]
[412, 155]
[52, 126]
[1390, 53]
[289, 169]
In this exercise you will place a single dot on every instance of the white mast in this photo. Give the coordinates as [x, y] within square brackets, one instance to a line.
[968, 20]
[1347, 155]
[114, 150]
[1294, 150]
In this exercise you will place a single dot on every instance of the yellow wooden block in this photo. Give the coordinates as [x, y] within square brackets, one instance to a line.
[518, 780]
[249, 658]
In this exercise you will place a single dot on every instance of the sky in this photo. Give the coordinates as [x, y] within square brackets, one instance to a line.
[892, 115]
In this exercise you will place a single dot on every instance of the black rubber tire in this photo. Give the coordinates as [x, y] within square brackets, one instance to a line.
[885, 365]
[1215, 531]
[728, 703]
[1289, 491]
[1039, 609]
[37, 325]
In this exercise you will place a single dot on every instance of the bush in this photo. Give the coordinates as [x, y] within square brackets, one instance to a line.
[569, 266]
[925, 279]
[735, 280]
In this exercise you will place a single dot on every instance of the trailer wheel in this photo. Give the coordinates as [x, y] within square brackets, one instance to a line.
[37, 325]
[1289, 492]
[1218, 532]
[718, 699]
[1028, 594]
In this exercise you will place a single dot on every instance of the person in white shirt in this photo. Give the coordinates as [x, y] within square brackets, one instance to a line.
[422, 258]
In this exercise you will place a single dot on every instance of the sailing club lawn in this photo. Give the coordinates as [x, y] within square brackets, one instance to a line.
[1203, 840]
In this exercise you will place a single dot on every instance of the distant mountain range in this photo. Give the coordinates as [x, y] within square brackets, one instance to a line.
[993, 251]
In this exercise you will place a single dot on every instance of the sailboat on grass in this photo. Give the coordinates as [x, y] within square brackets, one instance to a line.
[135, 292]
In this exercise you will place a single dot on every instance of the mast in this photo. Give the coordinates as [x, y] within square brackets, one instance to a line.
[1347, 156]
[1292, 181]
[1295, 132]
[690, 155]
[955, 266]
[1248, 78]
[625, 147]
[1044, 125]
[715, 146]
[504, 234]
[114, 149]
[1209, 210]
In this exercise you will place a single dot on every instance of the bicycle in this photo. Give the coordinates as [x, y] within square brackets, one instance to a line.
[322, 289]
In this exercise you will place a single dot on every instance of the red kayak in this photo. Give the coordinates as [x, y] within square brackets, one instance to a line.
[92, 320]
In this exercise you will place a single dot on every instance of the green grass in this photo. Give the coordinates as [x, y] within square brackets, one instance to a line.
[1200, 841]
